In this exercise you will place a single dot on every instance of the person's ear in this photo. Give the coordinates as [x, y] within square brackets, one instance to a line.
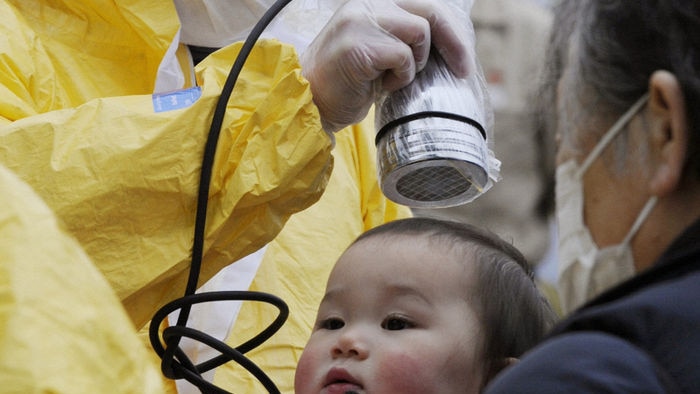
[668, 132]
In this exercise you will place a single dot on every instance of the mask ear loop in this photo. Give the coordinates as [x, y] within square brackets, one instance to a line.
[614, 131]
[175, 363]
[603, 143]
[640, 219]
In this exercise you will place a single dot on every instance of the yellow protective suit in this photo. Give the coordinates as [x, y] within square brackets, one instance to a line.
[57, 54]
[78, 123]
[124, 178]
[62, 329]
[297, 263]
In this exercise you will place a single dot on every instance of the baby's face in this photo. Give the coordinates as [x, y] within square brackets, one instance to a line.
[394, 319]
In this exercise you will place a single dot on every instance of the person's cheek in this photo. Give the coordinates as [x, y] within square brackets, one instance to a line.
[305, 371]
[404, 372]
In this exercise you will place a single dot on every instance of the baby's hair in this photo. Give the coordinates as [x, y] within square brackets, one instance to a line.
[514, 314]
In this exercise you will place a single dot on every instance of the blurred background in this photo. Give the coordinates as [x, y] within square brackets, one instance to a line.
[511, 37]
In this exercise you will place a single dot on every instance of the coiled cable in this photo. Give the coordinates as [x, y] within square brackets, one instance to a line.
[175, 363]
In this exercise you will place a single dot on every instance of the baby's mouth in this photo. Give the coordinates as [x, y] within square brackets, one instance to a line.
[341, 382]
[343, 387]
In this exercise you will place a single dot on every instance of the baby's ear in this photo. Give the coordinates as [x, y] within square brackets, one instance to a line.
[510, 361]
[497, 368]
[505, 363]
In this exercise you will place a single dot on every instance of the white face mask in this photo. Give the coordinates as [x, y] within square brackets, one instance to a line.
[584, 270]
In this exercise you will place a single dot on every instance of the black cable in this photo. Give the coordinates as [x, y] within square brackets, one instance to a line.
[175, 364]
[183, 368]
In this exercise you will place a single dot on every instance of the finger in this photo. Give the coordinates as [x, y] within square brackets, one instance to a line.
[396, 43]
[412, 30]
[396, 60]
[451, 33]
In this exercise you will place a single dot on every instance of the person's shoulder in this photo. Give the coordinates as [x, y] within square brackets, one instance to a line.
[649, 304]
[581, 362]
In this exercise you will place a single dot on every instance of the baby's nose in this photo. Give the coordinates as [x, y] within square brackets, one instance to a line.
[350, 343]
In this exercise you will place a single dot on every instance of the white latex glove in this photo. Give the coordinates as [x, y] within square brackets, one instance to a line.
[370, 46]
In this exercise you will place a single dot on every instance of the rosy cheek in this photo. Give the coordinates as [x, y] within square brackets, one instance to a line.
[304, 377]
[403, 373]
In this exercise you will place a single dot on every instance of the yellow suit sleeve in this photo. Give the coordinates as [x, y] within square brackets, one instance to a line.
[123, 177]
[63, 328]
[297, 263]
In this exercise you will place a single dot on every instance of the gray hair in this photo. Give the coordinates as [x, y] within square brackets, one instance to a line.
[609, 50]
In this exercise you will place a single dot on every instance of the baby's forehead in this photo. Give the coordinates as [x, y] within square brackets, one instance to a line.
[404, 236]
[411, 253]
[443, 245]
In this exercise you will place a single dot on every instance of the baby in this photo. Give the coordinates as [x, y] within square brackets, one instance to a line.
[422, 306]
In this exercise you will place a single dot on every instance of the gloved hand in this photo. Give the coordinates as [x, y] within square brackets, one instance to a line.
[370, 46]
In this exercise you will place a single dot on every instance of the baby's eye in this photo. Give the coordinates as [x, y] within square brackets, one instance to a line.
[396, 323]
[331, 324]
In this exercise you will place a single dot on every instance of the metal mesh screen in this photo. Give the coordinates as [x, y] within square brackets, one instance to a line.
[433, 184]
